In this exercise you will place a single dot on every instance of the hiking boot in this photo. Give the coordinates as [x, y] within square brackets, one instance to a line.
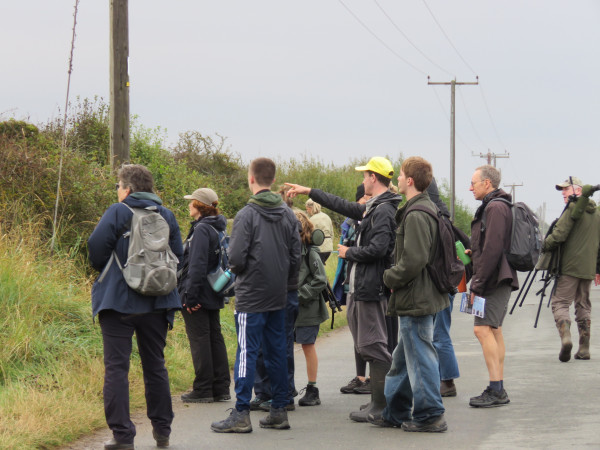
[436, 425]
[237, 422]
[277, 419]
[584, 340]
[161, 440]
[353, 383]
[255, 404]
[311, 397]
[566, 344]
[266, 406]
[195, 397]
[364, 388]
[113, 444]
[447, 388]
[379, 420]
[490, 398]
[222, 398]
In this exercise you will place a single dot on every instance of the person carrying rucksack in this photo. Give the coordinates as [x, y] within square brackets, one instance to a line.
[412, 385]
[123, 311]
[493, 277]
[313, 310]
[201, 304]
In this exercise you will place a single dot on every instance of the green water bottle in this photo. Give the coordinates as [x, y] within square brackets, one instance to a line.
[460, 251]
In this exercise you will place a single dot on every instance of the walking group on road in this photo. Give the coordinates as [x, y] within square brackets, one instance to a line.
[390, 277]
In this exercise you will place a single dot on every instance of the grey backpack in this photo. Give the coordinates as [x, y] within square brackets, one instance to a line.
[151, 267]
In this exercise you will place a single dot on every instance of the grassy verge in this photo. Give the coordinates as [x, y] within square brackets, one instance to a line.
[51, 369]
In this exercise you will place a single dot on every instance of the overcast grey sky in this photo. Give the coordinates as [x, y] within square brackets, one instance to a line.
[337, 79]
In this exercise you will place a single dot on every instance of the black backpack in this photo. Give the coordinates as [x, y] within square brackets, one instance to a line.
[445, 270]
[525, 237]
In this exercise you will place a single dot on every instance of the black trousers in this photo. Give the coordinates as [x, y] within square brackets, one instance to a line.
[151, 332]
[209, 355]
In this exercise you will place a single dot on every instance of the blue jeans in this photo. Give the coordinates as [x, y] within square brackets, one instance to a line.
[266, 329]
[262, 386]
[443, 343]
[414, 377]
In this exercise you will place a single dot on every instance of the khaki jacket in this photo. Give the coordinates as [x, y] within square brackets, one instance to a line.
[413, 291]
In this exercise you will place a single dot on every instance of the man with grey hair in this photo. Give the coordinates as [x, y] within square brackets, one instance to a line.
[576, 241]
[493, 278]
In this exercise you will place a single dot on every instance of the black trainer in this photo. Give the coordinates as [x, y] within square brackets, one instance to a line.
[277, 419]
[255, 404]
[490, 398]
[349, 388]
[436, 425]
[237, 422]
[364, 388]
[195, 397]
[311, 397]
[379, 420]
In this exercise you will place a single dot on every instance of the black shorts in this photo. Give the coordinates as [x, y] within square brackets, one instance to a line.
[307, 335]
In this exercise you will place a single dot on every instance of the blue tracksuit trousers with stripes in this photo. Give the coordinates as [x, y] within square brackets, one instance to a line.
[256, 330]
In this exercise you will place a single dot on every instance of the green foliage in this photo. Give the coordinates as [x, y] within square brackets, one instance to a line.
[12, 129]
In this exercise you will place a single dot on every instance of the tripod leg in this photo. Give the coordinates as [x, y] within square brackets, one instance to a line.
[528, 287]
[537, 316]
[552, 291]
[520, 292]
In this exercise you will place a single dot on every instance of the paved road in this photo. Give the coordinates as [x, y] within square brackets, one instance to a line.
[553, 405]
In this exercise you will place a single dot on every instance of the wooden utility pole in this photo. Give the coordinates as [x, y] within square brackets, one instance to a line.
[491, 157]
[119, 83]
[513, 191]
[453, 85]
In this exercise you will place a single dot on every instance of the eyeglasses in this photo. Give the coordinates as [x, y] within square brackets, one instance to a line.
[474, 183]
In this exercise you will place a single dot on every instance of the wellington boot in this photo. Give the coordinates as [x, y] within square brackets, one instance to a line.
[378, 370]
[584, 340]
[566, 344]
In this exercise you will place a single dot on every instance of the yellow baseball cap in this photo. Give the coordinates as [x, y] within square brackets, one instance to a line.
[380, 165]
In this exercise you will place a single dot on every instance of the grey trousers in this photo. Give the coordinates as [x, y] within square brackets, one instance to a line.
[367, 324]
[572, 290]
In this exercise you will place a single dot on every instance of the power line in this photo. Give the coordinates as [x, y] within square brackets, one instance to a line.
[408, 39]
[462, 98]
[381, 41]
[448, 39]
[448, 119]
[490, 116]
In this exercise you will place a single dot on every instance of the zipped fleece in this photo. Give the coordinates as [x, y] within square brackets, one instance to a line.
[264, 253]
[376, 236]
[413, 291]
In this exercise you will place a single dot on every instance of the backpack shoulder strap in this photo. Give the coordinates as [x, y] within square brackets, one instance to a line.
[484, 215]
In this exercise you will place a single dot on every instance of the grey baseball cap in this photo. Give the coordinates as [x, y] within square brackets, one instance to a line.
[571, 180]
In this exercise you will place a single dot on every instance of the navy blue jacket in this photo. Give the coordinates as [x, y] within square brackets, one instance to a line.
[264, 253]
[200, 257]
[113, 292]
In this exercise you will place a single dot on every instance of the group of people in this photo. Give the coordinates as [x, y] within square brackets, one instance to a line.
[280, 274]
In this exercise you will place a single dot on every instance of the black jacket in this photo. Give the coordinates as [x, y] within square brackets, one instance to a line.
[264, 253]
[200, 256]
[375, 238]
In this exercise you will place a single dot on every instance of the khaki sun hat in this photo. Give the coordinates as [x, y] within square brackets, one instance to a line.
[203, 195]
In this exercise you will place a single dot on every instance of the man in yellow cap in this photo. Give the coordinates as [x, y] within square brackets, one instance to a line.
[367, 260]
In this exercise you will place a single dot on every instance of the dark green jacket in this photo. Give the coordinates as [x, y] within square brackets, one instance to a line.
[312, 310]
[580, 242]
[413, 291]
